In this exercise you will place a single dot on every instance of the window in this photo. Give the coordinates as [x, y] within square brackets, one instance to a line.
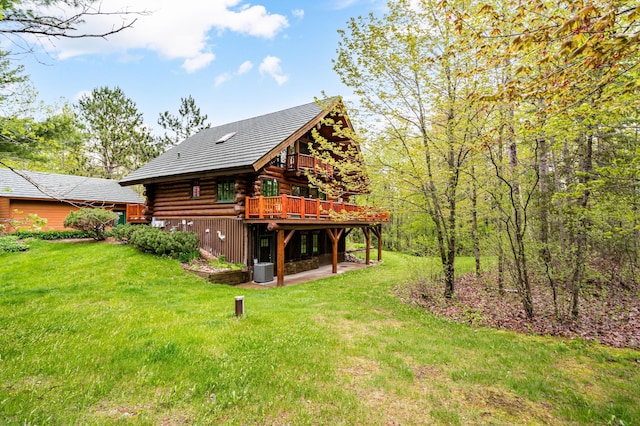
[195, 188]
[303, 244]
[315, 244]
[226, 192]
[315, 193]
[299, 191]
[270, 188]
[280, 160]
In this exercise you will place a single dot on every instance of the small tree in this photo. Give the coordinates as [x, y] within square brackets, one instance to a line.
[91, 220]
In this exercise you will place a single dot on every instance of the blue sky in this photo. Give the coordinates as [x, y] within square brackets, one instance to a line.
[237, 59]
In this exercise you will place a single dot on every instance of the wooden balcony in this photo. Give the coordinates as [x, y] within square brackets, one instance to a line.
[135, 213]
[290, 207]
[302, 162]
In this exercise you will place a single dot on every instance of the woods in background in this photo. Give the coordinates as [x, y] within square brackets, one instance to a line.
[506, 129]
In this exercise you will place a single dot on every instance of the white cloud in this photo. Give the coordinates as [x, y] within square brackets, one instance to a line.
[244, 68]
[223, 78]
[298, 13]
[271, 66]
[253, 20]
[194, 64]
[174, 32]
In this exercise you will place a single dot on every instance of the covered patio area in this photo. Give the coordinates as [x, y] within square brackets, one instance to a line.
[302, 277]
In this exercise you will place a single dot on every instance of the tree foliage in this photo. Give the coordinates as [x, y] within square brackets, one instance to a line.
[509, 128]
[410, 81]
[118, 142]
[188, 122]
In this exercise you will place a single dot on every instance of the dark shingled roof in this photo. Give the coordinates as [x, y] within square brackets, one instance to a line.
[65, 187]
[253, 139]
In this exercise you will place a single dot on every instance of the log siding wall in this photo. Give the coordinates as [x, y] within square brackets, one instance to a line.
[174, 199]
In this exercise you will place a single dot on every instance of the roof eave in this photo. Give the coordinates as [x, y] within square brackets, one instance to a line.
[190, 175]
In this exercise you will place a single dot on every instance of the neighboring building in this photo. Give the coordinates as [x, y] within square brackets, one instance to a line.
[243, 188]
[53, 197]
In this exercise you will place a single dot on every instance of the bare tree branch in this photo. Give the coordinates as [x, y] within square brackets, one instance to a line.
[41, 20]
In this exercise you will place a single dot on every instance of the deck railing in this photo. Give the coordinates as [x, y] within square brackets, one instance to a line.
[135, 213]
[290, 207]
[308, 162]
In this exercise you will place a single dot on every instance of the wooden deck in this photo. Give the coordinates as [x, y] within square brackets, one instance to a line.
[287, 207]
[135, 213]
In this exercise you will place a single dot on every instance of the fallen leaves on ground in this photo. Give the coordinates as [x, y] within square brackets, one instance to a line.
[608, 314]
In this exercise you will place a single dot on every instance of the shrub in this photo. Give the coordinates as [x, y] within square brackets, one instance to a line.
[53, 235]
[30, 223]
[12, 244]
[121, 232]
[92, 220]
[179, 245]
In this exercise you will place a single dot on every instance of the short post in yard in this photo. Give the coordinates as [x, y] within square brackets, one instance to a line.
[239, 306]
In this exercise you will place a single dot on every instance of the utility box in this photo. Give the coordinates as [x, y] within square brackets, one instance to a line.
[263, 272]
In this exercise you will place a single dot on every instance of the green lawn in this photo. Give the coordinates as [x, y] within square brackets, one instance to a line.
[97, 334]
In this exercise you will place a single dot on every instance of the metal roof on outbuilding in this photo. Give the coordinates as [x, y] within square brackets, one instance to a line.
[247, 141]
[37, 185]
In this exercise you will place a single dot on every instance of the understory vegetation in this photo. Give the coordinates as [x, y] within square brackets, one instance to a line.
[134, 339]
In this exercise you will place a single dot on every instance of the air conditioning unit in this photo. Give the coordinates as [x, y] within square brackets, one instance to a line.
[263, 272]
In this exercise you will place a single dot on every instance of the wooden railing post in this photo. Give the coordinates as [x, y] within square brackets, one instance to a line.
[247, 212]
[261, 207]
[303, 201]
[283, 201]
[318, 208]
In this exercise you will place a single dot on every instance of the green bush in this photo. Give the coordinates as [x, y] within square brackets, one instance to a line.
[53, 235]
[11, 244]
[91, 220]
[178, 244]
[122, 232]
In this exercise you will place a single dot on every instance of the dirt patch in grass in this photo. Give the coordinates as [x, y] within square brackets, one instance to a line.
[358, 367]
[608, 314]
[349, 330]
[500, 405]
[386, 406]
[117, 412]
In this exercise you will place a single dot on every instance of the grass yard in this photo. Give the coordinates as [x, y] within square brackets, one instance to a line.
[96, 333]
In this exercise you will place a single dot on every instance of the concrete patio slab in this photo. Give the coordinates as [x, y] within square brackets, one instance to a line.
[302, 277]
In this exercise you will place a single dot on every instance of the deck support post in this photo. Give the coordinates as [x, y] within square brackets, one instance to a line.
[281, 244]
[280, 258]
[335, 235]
[367, 240]
[377, 230]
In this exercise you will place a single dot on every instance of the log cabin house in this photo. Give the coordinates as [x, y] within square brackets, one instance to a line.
[53, 196]
[244, 188]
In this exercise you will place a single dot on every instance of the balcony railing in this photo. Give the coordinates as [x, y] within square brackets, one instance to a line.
[308, 162]
[290, 207]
